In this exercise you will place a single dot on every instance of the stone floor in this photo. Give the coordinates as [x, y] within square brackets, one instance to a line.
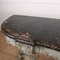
[8, 52]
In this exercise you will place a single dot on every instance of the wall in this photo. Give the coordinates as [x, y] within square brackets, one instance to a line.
[42, 8]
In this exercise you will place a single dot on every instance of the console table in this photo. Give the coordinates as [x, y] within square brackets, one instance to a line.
[31, 32]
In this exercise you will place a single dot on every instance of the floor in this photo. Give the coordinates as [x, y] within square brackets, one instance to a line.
[8, 52]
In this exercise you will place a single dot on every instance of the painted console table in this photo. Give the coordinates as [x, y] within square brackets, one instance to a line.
[30, 33]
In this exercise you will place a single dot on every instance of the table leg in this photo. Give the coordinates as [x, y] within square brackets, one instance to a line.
[34, 52]
[27, 52]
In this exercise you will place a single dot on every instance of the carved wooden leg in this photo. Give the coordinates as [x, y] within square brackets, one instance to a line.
[22, 56]
[26, 52]
[34, 52]
[21, 53]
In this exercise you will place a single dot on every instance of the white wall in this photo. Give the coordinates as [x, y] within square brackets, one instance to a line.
[42, 8]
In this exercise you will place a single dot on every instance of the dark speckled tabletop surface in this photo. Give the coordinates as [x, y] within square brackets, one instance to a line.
[39, 30]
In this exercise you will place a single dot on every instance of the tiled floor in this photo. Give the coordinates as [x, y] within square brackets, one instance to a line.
[8, 52]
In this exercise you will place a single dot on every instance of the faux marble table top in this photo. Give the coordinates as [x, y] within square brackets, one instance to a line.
[38, 31]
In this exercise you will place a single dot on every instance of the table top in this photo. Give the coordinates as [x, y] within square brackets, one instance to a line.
[37, 31]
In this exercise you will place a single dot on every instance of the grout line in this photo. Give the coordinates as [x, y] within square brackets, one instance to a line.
[9, 54]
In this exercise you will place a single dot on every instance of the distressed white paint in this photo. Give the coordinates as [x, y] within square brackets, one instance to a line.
[10, 41]
[55, 54]
[42, 50]
[19, 45]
